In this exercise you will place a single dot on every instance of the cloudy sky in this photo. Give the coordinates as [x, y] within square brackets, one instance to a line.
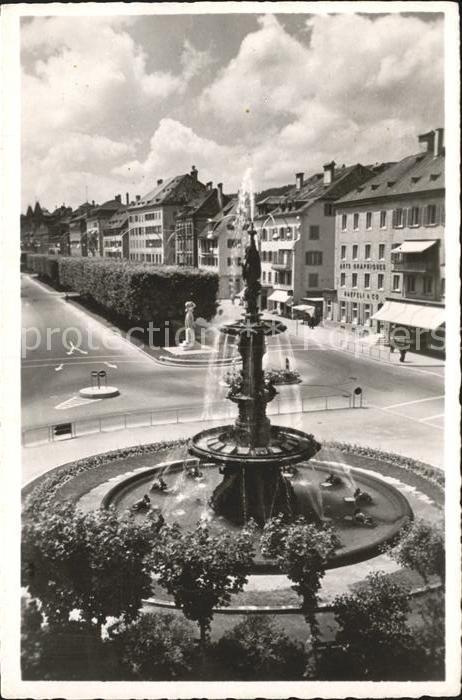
[110, 104]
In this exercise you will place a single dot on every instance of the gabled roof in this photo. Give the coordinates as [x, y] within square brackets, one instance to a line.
[118, 219]
[194, 205]
[421, 172]
[219, 222]
[165, 193]
[106, 207]
[313, 189]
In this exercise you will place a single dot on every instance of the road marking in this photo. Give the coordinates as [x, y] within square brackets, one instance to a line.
[108, 364]
[58, 368]
[403, 415]
[438, 415]
[74, 402]
[75, 348]
[410, 403]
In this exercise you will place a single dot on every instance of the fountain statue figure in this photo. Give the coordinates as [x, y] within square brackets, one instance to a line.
[252, 452]
[190, 339]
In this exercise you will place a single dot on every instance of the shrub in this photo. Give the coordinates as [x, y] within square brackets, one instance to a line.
[375, 640]
[256, 649]
[46, 267]
[421, 548]
[91, 562]
[156, 647]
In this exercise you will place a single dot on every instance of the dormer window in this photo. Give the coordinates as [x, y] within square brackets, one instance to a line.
[390, 183]
[374, 187]
[434, 176]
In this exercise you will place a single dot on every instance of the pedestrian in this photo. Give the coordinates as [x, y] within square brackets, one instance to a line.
[287, 364]
[402, 354]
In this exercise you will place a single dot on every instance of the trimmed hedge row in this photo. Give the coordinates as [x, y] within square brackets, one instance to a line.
[46, 266]
[132, 291]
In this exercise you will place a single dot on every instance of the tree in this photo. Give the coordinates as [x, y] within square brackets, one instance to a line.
[376, 642]
[91, 562]
[257, 649]
[201, 570]
[301, 550]
[421, 548]
[155, 646]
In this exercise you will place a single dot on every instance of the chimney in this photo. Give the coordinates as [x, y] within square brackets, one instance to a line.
[138, 197]
[209, 186]
[159, 181]
[220, 194]
[429, 140]
[118, 198]
[194, 172]
[329, 169]
[299, 180]
[127, 198]
[438, 146]
[92, 202]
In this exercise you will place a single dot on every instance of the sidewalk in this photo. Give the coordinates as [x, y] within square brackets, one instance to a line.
[381, 430]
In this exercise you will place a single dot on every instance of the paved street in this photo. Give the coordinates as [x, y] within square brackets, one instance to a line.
[403, 404]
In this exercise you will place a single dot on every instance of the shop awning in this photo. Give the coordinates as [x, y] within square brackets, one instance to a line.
[413, 247]
[414, 315]
[281, 296]
[304, 308]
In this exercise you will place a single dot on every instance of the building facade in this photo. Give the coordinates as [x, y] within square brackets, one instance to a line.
[297, 239]
[389, 257]
[152, 218]
[115, 235]
[192, 219]
[221, 250]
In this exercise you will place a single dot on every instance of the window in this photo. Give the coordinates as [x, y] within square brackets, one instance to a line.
[355, 252]
[342, 279]
[414, 216]
[270, 276]
[229, 261]
[443, 287]
[381, 251]
[270, 256]
[314, 233]
[355, 222]
[313, 279]
[282, 233]
[367, 281]
[428, 285]
[369, 219]
[354, 280]
[263, 256]
[398, 218]
[343, 252]
[355, 312]
[396, 284]
[367, 251]
[367, 314]
[328, 209]
[380, 281]
[344, 222]
[343, 311]
[264, 276]
[430, 215]
[383, 219]
[313, 257]
[264, 234]
[410, 284]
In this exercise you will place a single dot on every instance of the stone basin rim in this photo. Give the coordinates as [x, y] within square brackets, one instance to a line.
[267, 567]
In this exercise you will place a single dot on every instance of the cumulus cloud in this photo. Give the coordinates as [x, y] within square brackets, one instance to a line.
[356, 88]
[355, 70]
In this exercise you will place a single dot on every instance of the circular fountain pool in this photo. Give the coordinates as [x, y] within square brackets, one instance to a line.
[186, 501]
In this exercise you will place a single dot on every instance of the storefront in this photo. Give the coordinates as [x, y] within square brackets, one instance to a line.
[418, 326]
[280, 302]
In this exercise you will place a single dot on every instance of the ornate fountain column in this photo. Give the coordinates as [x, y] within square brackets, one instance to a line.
[252, 452]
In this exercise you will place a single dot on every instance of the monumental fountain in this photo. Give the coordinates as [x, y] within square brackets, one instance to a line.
[251, 469]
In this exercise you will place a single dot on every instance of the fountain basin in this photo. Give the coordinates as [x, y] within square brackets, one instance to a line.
[186, 502]
[286, 446]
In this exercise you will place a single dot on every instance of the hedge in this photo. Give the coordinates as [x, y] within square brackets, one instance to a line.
[132, 291]
[46, 266]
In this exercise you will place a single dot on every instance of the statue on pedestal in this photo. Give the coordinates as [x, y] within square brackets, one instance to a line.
[190, 339]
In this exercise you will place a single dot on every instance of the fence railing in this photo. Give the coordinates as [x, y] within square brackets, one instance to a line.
[219, 410]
